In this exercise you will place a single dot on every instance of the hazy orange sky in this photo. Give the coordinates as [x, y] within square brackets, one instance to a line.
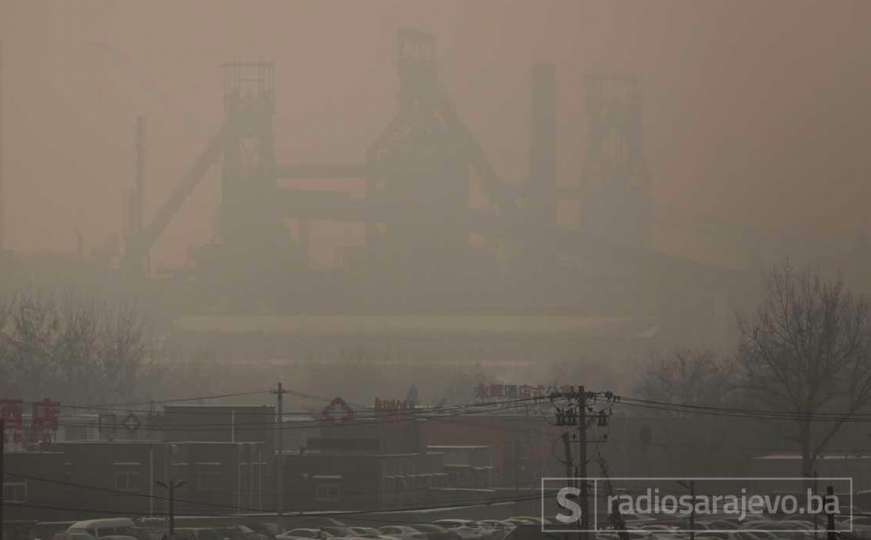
[756, 112]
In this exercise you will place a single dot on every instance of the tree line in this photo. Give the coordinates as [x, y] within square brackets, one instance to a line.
[74, 348]
[804, 354]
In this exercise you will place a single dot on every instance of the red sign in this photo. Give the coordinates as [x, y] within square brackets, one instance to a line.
[517, 391]
[10, 413]
[392, 405]
[337, 411]
[392, 409]
[44, 421]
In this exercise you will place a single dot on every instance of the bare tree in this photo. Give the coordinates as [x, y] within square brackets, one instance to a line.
[687, 376]
[27, 338]
[73, 348]
[806, 353]
[697, 377]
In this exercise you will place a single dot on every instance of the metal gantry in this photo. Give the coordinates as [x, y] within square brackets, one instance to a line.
[615, 190]
[419, 175]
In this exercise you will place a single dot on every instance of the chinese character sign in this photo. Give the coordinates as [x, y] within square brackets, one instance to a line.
[507, 392]
[392, 409]
[10, 412]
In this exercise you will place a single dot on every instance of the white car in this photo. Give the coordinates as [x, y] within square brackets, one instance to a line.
[369, 532]
[466, 528]
[302, 534]
[495, 529]
[402, 532]
[102, 528]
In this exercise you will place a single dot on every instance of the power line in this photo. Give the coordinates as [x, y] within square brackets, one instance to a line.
[628, 400]
[476, 502]
[759, 414]
[115, 406]
[315, 424]
[368, 418]
[123, 409]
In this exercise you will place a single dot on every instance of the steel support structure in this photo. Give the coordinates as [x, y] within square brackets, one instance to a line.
[615, 190]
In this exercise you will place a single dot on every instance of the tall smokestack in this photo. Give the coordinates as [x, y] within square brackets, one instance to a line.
[2, 191]
[135, 197]
[139, 181]
[542, 144]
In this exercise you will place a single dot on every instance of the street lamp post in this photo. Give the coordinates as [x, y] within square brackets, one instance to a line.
[171, 487]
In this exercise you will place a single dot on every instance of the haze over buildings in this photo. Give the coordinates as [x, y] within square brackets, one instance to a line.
[754, 113]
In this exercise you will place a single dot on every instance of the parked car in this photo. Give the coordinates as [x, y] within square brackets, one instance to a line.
[684, 525]
[466, 528]
[531, 531]
[725, 524]
[520, 520]
[436, 532]
[635, 517]
[754, 535]
[300, 534]
[196, 533]
[103, 528]
[337, 532]
[47, 529]
[784, 529]
[495, 529]
[402, 532]
[75, 535]
[369, 532]
[239, 532]
[657, 527]
[316, 522]
[266, 529]
[528, 520]
[720, 534]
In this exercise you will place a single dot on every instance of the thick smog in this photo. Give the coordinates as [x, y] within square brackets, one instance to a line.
[435, 270]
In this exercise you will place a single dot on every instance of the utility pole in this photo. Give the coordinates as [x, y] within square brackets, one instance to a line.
[516, 465]
[691, 485]
[279, 445]
[816, 514]
[2, 470]
[830, 525]
[567, 448]
[693, 510]
[582, 462]
[171, 486]
[570, 460]
[575, 415]
[138, 200]
[616, 517]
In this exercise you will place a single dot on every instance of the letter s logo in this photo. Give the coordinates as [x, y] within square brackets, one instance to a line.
[562, 498]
